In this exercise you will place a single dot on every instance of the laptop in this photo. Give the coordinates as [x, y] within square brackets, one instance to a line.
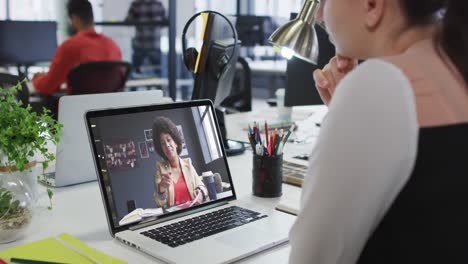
[221, 229]
[74, 163]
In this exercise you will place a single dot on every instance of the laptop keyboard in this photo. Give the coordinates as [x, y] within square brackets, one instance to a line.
[198, 227]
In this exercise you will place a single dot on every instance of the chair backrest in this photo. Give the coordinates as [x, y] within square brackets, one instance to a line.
[240, 98]
[9, 80]
[99, 77]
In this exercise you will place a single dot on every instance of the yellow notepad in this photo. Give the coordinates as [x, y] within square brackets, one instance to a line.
[50, 249]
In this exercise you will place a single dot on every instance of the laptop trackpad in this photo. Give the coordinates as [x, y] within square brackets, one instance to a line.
[247, 238]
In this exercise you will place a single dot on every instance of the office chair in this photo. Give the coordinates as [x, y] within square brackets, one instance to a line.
[240, 98]
[99, 77]
[9, 80]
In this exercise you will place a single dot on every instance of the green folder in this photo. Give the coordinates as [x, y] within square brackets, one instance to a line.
[52, 250]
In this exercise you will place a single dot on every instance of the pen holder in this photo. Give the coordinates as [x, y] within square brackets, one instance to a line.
[267, 175]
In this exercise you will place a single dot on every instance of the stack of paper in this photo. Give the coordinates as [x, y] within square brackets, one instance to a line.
[290, 203]
[61, 249]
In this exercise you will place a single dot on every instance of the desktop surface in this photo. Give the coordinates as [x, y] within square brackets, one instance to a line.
[78, 209]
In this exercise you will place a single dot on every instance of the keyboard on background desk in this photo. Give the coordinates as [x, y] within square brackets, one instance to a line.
[293, 173]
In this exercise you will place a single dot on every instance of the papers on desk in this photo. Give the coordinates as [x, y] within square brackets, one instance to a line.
[308, 130]
[290, 203]
[138, 214]
[62, 249]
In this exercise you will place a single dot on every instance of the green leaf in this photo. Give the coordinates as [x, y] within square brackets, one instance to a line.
[22, 134]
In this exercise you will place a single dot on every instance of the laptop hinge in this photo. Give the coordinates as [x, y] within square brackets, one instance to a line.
[157, 221]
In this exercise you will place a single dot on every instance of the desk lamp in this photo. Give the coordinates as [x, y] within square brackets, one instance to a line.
[298, 37]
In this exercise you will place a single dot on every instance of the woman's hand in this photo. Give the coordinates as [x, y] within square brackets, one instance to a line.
[166, 180]
[198, 196]
[328, 78]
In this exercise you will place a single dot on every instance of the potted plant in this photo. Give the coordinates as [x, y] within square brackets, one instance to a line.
[23, 134]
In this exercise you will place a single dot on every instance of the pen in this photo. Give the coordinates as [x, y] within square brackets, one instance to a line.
[32, 261]
[278, 141]
[252, 143]
[266, 137]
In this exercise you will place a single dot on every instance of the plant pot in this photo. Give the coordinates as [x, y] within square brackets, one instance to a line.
[29, 176]
[16, 206]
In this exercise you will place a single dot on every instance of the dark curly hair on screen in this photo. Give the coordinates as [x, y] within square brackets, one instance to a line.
[165, 125]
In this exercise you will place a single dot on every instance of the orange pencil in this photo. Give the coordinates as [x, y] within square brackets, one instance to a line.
[266, 136]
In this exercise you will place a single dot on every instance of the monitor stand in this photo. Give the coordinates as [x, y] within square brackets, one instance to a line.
[232, 147]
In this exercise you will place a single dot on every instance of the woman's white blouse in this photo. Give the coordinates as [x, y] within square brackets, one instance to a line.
[363, 157]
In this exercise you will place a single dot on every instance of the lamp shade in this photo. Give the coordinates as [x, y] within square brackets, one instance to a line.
[298, 37]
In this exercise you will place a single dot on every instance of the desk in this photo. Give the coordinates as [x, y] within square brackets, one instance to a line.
[305, 117]
[78, 210]
[275, 70]
[268, 67]
[164, 82]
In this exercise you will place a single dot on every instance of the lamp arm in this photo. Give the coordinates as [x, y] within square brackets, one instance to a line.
[308, 11]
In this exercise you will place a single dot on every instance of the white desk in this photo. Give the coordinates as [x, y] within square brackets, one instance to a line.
[78, 210]
[273, 70]
[268, 67]
[306, 118]
[157, 82]
[164, 82]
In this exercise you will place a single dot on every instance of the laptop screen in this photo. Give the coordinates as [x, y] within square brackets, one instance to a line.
[158, 160]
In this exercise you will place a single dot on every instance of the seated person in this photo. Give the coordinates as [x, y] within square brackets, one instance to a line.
[87, 45]
[176, 180]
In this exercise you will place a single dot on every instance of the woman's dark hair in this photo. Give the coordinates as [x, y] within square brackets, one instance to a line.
[453, 35]
[165, 125]
[81, 9]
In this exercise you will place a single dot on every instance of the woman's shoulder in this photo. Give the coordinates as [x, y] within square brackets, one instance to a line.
[186, 161]
[374, 83]
[160, 163]
[375, 73]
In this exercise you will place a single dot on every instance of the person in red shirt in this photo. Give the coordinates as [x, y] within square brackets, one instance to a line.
[87, 45]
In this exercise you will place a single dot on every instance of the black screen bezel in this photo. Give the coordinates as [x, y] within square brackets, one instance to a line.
[151, 108]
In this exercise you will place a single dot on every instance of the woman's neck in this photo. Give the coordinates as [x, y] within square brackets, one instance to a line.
[397, 41]
[174, 162]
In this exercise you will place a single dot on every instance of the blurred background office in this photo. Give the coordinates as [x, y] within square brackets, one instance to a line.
[160, 65]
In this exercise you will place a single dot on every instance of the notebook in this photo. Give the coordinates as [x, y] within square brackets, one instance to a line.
[74, 163]
[221, 229]
[61, 249]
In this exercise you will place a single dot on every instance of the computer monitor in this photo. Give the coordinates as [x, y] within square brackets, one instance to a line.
[254, 30]
[300, 84]
[27, 42]
[213, 74]
[218, 41]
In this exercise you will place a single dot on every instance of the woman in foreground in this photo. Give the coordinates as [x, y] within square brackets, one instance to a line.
[388, 177]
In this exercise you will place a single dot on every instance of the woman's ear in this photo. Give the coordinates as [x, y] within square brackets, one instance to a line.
[373, 11]
[319, 15]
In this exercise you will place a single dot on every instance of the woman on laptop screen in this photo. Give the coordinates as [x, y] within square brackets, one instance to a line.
[176, 181]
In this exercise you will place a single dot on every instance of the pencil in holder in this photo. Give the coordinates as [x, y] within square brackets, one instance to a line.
[267, 173]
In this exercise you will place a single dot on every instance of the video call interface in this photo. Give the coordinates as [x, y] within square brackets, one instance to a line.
[138, 155]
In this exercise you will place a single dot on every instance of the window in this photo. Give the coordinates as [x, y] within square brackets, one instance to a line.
[224, 7]
[33, 10]
[276, 8]
[211, 135]
[3, 10]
